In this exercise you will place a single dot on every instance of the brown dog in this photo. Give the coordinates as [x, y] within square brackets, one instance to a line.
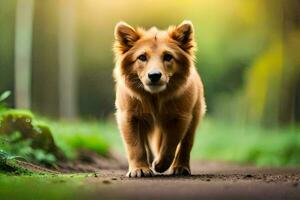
[159, 97]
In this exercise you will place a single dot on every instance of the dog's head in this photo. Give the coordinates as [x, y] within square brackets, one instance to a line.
[154, 60]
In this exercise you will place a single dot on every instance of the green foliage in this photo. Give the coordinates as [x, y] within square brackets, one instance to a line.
[3, 97]
[10, 164]
[227, 141]
[22, 135]
[13, 145]
[52, 187]
[71, 136]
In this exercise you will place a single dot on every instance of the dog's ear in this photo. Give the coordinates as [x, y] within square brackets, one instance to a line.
[125, 37]
[183, 34]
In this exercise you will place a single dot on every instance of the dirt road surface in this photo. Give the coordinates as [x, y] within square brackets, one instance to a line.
[209, 181]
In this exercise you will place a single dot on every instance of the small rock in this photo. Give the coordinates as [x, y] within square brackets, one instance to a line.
[114, 179]
[106, 182]
[208, 179]
[248, 176]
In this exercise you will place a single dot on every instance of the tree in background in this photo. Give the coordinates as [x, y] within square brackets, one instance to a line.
[67, 60]
[247, 55]
[23, 42]
[272, 85]
[289, 111]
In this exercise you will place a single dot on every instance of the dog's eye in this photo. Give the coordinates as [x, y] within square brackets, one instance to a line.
[142, 58]
[168, 57]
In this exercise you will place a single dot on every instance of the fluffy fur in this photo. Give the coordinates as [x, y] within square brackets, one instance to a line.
[157, 121]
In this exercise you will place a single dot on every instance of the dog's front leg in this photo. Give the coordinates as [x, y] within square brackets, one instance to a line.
[134, 132]
[173, 132]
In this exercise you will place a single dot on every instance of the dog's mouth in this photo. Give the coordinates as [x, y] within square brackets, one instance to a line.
[155, 87]
[155, 84]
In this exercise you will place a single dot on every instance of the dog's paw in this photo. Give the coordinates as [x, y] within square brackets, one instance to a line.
[180, 171]
[140, 172]
[161, 166]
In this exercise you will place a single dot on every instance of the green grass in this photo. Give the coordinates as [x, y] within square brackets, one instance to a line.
[93, 135]
[44, 187]
[217, 140]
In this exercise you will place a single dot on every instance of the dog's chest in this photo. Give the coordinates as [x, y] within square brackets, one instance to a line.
[157, 109]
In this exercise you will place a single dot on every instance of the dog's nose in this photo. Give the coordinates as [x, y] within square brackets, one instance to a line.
[154, 76]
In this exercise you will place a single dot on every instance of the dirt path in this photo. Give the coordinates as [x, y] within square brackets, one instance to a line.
[210, 181]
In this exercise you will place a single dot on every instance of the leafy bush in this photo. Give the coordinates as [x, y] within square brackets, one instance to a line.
[15, 147]
[23, 136]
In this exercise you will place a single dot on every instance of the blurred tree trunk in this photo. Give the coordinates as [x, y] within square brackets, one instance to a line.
[23, 41]
[277, 98]
[7, 41]
[66, 60]
[290, 95]
[45, 58]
